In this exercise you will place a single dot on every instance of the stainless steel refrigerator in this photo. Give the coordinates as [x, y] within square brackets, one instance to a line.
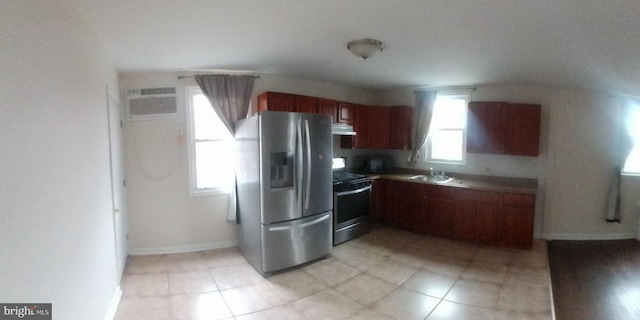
[284, 189]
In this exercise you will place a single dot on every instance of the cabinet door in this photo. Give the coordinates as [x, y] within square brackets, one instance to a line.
[476, 116]
[379, 191]
[394, 204]
[523, 134]
[328, 107]
[401, 205]
[419, 221]
[478, 215]
[503, 128]
[345, 113]
[441, 217]
[442, 210]
[400, 128]
[378, 120]
[518, 226]
[495, 139]
[416, 218]
[488, 222]
[465, 222]
[487, 127]
[361, 127]
[518, 214]
[276, 101]
[306, 104]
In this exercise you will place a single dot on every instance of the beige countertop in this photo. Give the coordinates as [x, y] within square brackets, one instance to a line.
[468, 181]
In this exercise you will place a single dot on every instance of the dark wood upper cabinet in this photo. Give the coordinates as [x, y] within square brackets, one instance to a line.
[276, 101]
[400, 127]
[523, 136]
[346, 113]
[306, 104]
[360, 119]
[486, 127]
[371, 125]
[496, 128]
[378, 133]
[503, 128]
[328, 107]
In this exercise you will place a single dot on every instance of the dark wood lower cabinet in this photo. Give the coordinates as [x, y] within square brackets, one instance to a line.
[518, 211]
[405, 206]
[441, 218]
[379, 190]
[465, 221]
[441, 210]
[489, 223]
[397, 205]
[493, 218]
[478, 216]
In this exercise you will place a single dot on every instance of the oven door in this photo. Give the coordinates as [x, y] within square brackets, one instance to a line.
[351, 206]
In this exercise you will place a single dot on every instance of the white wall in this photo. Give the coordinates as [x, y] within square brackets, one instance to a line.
[579, 142]
[56, 228]
[163, 217]
[585, 134]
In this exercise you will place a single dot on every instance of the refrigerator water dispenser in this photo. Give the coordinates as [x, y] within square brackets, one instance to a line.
[281, 170]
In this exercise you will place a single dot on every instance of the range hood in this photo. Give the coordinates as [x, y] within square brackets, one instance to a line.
[342, 129]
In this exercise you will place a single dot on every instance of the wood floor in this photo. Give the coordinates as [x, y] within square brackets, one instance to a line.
[595, 279]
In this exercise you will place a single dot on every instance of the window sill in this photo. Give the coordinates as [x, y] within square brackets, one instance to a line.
[211, 192]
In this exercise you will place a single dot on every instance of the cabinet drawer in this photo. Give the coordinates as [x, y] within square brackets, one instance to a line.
[518, 200]
[479, 196]
[406, 188]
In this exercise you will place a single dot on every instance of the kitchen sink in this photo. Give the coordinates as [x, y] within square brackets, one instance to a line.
[427, 178]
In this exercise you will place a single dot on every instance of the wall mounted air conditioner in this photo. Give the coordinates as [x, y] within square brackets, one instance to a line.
[150, 103]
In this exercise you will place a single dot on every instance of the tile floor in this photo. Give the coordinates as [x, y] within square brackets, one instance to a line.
[387, 274]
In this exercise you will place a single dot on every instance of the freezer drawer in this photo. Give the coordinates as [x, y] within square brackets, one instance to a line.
[296, 242]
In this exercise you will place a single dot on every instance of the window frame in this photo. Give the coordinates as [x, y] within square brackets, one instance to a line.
[190, 93]
[466, 95]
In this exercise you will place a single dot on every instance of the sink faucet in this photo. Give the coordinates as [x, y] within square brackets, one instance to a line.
[437, 174]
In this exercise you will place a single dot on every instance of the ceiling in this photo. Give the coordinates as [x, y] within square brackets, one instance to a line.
[590, 44]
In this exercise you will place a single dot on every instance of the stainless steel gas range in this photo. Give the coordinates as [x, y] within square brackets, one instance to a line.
[351, 204]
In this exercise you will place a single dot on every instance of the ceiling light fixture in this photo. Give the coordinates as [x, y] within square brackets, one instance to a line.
[365, 48]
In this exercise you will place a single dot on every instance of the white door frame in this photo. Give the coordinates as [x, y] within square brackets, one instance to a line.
[118, 185]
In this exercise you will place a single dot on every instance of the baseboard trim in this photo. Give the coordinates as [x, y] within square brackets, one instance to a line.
[113, 306]
[182, 249]
[590, 236]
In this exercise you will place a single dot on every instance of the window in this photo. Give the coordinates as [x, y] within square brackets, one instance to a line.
[211, 147]
[447, 137]
[632, 164]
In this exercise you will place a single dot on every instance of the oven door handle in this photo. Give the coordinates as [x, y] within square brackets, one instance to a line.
[346, 193]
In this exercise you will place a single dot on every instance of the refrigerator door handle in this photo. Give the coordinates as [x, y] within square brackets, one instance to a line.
[303, 225]
[300, 164]
[307, 186]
